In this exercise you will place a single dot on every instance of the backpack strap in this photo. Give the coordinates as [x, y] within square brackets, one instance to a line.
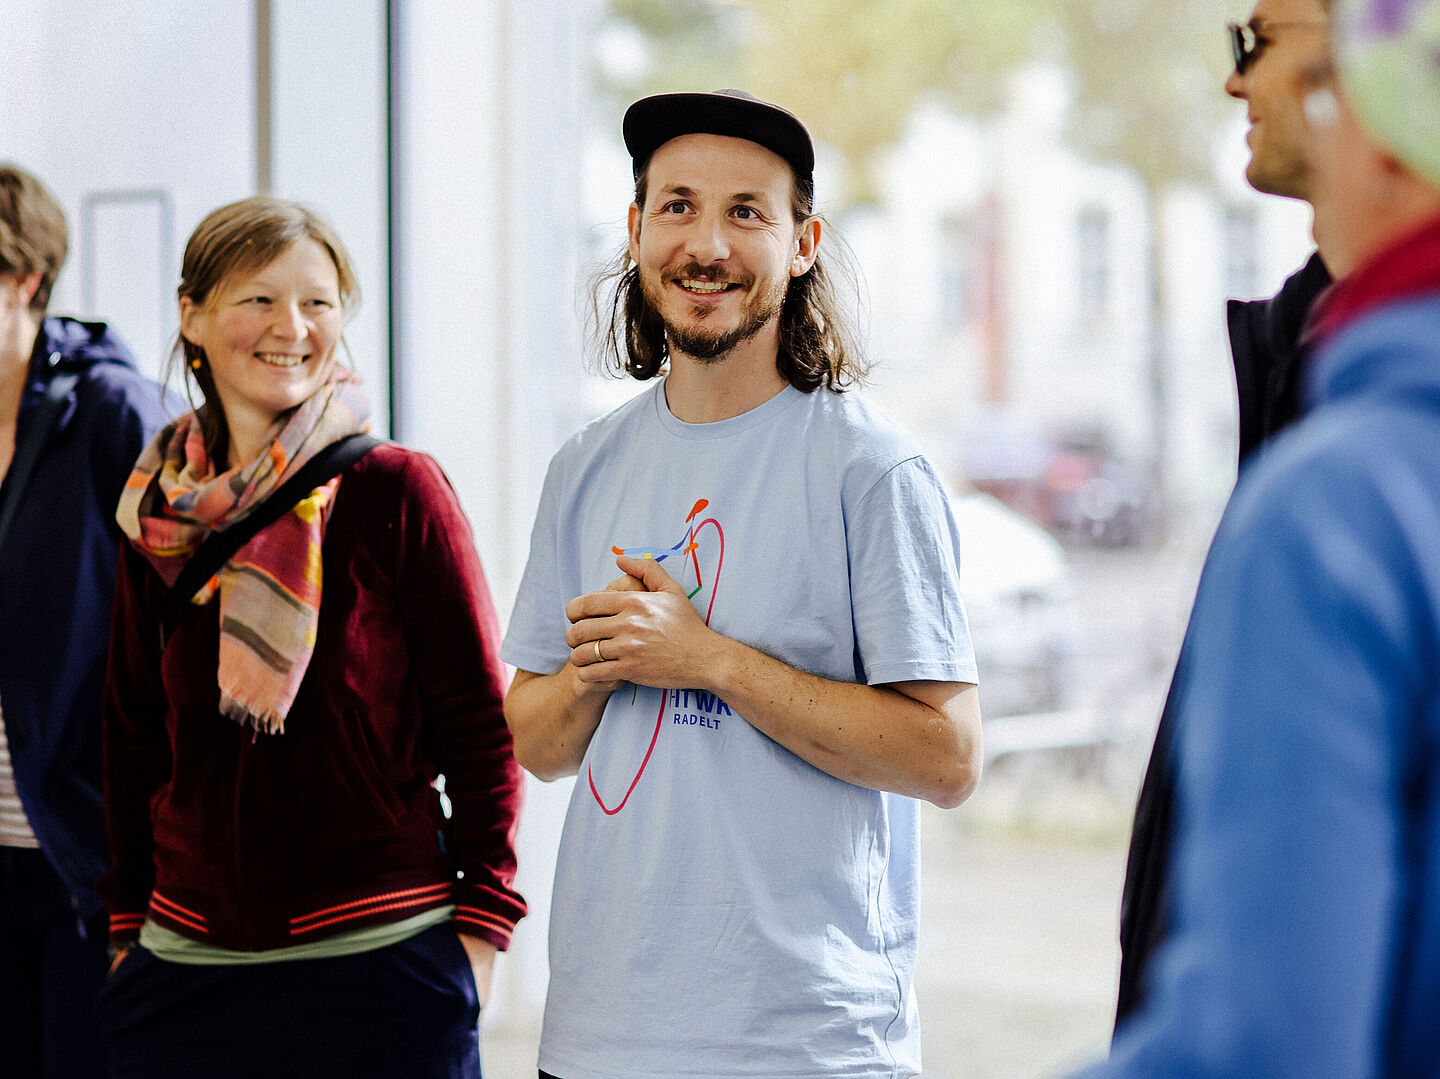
[220, 547]
[47, 414]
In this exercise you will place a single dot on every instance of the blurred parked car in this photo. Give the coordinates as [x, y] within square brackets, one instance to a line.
[1097, 498]
[1016, 581]
[1074, 484]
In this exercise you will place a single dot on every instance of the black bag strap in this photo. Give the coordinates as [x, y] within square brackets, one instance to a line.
[47, 414]
[211, 555]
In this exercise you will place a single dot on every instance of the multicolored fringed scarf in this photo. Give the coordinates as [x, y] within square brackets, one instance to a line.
[270, 589]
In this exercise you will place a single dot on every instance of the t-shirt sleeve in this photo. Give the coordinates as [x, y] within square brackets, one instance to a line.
[535, 639]
[904, 553]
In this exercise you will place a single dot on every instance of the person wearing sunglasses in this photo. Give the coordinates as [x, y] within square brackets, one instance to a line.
[1306, 937]
[1272, 52]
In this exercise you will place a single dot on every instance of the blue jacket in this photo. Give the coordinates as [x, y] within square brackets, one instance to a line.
[1306, 932]
[57, 579]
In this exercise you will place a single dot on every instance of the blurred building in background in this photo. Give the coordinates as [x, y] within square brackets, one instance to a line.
[1012, 316]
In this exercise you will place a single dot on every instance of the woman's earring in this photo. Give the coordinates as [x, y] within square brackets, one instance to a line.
[195, 364]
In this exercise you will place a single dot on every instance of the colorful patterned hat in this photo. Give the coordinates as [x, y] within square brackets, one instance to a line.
[1389, 57]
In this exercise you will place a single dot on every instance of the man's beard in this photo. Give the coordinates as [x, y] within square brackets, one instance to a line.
[702, 342]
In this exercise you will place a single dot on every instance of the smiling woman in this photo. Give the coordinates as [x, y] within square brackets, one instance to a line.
[269, 338]
[256, 872]
[261, 274]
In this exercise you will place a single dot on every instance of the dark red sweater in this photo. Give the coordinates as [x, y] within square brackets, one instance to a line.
[252, 842]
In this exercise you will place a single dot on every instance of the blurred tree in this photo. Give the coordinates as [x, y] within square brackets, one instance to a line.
[1149, 78]
[861, 67]
[855, 69]
[663, 46]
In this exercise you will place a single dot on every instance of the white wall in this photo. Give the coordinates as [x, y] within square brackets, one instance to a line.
[488, 181]
[328, 151]
[488, 211]
[100, 99]
[108, 100]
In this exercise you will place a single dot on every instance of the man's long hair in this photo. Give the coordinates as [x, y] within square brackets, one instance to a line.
[817, 345]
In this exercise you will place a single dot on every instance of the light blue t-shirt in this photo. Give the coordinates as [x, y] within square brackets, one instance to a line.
[721, 907]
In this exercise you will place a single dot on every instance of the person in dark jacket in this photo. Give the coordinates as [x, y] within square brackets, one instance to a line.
[74, 414]
[289, 895]
[1281, 42]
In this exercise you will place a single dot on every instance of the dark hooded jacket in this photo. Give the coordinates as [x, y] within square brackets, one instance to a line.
[57, 580]
[1266, 345]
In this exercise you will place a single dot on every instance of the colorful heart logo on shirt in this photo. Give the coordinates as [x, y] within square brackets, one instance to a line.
[701, 557]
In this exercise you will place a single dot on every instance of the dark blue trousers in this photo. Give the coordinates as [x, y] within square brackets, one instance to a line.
[52, 963]
[407, 1010]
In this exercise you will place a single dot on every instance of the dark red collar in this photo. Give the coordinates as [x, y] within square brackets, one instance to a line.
[1408, 268]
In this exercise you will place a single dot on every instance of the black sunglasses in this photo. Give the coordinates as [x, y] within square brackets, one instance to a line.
[1242, 46]
[1246, 43]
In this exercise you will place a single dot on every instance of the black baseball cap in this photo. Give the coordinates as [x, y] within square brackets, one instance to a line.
[653, 121]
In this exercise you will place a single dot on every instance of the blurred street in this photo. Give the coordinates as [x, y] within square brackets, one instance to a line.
[1018, 954]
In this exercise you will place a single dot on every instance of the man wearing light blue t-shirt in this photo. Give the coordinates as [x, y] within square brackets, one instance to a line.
[740, 626]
